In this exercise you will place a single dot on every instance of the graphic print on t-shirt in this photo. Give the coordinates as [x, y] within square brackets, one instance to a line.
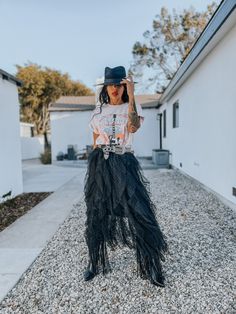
[106, 122]
[102, 124]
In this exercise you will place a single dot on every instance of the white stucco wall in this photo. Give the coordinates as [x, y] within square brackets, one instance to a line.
[10, 146]
[71, 128]
[147, 137]
[31, 147]
[205, 141]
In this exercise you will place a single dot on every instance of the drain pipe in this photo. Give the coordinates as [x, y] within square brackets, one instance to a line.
[160, 157]
[160, 128]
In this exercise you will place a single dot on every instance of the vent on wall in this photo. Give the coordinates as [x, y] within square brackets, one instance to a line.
[234, 191]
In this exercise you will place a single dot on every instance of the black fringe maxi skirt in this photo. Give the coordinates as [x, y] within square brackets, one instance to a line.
[120, 213]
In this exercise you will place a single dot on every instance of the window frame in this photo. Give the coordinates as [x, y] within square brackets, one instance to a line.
[176, 114]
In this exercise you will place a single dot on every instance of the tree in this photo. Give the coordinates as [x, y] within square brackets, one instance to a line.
[41, 86]
[168, 44]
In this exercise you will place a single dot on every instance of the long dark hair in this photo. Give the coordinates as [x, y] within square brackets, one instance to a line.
[105, 99]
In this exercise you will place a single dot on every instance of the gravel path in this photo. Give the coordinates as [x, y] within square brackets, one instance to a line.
[199, 269]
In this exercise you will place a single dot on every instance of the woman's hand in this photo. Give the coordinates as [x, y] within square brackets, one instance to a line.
[130, 86]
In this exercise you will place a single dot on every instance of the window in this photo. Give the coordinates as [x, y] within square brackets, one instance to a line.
[164, 123]
[176, 114]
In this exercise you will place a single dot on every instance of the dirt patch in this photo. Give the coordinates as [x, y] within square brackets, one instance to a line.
[16, 207]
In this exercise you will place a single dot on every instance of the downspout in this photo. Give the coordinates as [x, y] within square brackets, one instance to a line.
[160, 128]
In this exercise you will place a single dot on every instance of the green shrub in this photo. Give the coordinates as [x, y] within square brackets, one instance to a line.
[46, 157]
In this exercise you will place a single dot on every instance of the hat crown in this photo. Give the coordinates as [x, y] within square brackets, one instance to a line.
[114, 75]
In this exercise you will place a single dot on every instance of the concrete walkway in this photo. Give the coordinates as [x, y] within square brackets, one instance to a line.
[22, 241]
[46, 178]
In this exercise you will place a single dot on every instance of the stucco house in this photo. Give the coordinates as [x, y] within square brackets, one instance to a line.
[70, 115]
[198, 107]
[10, 157]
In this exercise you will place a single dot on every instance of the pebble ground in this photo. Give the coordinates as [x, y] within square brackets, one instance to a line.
[200, 267]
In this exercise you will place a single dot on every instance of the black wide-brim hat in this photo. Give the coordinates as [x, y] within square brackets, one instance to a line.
[113, 75]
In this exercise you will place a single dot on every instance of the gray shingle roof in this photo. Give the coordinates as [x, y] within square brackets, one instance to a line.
[84, 103]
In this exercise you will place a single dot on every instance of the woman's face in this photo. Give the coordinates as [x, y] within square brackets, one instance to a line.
[115, 93]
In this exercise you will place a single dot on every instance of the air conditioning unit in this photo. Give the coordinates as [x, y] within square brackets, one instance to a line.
[71, 152]
[160, 157]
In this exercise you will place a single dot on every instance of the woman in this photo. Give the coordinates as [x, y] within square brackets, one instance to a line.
[117, 195]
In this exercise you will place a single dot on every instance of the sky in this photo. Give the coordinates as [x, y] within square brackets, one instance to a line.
[80, 37]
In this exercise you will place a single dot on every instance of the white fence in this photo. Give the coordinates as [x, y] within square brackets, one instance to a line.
[31, 147]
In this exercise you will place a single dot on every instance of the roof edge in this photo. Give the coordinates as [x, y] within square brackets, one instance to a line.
[223, 11]
[7, 76]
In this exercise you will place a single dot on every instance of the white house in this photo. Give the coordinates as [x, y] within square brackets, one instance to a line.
[198, 107]
[31, 146]
[10, 145]
[69, 118]
[27, 129]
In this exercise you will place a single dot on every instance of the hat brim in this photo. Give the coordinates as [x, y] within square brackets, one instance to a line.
[100, 84]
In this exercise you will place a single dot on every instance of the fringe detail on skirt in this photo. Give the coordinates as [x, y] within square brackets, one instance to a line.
[120, 213]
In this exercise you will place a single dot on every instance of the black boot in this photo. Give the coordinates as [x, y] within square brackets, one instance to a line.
[157, 279]
[158, 283]
[89, 274]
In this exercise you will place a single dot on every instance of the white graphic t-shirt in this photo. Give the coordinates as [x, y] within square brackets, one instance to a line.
[112, 122]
